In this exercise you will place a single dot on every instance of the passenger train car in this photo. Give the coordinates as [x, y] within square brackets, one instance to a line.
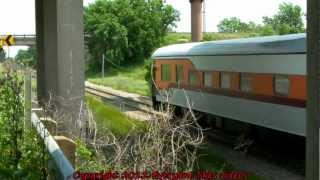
[260, 81]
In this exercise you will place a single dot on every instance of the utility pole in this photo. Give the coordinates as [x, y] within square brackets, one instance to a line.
[102, 68]
[204, 17]
[196, 20]
[313, 81]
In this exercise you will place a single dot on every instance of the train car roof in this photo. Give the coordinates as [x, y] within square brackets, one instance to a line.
[285, 44]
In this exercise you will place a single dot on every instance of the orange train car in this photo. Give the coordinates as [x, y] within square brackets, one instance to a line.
[260, 81]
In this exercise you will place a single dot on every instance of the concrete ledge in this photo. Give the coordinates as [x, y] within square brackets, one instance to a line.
[50, 124]
[68, 146]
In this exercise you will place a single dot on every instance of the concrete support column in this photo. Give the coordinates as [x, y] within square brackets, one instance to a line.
[313, 102]
[196, 20]
[40, 54]
[60, 44]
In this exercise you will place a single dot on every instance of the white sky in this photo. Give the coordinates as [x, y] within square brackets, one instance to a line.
[18, 16]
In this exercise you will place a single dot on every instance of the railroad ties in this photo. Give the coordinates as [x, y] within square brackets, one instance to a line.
[140, 107]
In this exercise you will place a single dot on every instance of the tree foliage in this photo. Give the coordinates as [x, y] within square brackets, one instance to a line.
[126, 31]
[234, 24]
[27, 57]
[288, 20]
[266, 30]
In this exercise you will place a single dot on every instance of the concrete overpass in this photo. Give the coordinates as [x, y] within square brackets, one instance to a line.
[23, 40]
[196, 27]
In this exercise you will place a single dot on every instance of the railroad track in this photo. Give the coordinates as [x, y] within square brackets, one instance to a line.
[142, 104]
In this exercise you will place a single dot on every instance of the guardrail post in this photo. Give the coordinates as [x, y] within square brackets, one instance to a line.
[50, 124]
[27, 98]
[61, 153]
[68, 147]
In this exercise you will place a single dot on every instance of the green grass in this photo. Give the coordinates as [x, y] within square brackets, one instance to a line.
[130, 79]
[108, 117]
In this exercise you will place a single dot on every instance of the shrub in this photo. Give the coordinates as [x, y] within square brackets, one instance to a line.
[22, 154]
[167, 144]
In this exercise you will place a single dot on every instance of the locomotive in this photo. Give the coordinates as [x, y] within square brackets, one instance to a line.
[259, 81]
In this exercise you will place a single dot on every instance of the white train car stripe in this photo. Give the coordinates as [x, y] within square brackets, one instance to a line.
[275, 116]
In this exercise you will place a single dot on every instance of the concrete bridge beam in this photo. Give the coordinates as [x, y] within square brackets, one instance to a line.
[60, 45]
[24, 41]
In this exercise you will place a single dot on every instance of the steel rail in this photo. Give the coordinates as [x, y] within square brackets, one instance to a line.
[144, 105]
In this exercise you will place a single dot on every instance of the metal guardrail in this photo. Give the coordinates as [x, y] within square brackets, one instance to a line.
[62, 164]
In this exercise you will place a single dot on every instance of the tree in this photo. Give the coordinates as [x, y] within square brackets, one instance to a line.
[288, 20]
[234, 24]
[126, 31]
[266, 30]
[27, 57]
[2, 55]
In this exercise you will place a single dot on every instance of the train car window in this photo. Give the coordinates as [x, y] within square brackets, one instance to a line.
[193, 78]
[281, 85]
[225, 81]
[245, 82]
[179, 75]
[165, 72]
[207, 79]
